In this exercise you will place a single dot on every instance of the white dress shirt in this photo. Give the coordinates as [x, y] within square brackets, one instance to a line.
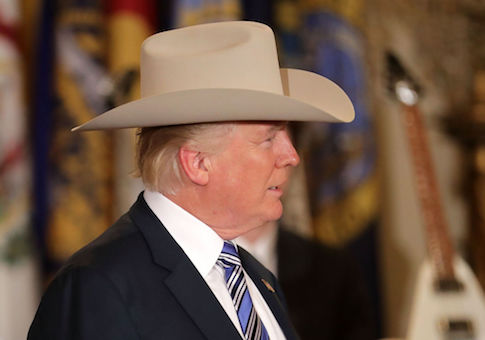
[202, 245]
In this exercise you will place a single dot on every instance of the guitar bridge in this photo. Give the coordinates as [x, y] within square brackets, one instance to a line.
[448, 285]
[457, 329]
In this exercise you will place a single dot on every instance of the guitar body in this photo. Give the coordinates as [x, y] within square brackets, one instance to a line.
[448, 302]
[448, 315]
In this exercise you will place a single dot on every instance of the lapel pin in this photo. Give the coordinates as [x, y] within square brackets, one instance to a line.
[271, 289]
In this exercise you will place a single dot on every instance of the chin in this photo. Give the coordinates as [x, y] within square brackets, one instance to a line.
[276, 212]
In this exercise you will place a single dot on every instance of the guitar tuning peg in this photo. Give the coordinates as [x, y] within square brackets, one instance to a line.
[399, 82]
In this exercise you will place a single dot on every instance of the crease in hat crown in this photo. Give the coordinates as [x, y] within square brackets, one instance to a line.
[225, 71]
[215, 55]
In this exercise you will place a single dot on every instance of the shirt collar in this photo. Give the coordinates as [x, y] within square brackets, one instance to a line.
[200, 243]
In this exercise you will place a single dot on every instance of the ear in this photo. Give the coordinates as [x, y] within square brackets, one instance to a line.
[195, 164]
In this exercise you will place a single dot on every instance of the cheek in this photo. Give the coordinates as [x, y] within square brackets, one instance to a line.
[244, 178]
[239, 184]
[226, 182]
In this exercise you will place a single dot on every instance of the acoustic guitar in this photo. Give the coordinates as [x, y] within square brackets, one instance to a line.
[448, 301]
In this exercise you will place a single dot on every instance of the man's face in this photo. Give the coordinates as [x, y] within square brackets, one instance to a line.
[248, 177]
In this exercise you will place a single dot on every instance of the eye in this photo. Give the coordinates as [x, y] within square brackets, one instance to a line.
[270, 138]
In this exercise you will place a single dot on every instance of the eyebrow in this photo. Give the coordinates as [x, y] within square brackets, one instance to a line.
[278, 126]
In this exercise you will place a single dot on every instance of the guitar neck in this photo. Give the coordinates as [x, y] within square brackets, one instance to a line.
[440, 247]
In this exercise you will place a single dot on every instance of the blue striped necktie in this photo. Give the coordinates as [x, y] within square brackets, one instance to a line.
[251, 324]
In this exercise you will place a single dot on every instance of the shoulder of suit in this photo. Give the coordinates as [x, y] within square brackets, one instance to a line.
[117, 246]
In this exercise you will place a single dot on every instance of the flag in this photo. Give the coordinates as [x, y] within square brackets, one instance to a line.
[340, 159]
[17, 267]
[42, 99]
[129, 23]
[73, 170]
[192, 12]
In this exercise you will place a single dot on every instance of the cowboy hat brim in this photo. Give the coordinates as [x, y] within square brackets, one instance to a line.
[307, 97]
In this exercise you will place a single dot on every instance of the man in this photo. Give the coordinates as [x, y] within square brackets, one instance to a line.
[214, 155]
[337, 307]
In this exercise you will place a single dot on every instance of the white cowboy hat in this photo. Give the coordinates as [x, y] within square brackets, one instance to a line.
[225, 71]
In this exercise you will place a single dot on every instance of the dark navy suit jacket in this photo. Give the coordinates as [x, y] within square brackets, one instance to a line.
[135, 282]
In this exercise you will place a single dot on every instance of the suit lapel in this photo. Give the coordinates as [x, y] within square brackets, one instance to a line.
[184, 281]
[257, 273]
[200, 303]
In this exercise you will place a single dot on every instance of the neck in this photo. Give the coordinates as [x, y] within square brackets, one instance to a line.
[191, 200]
[255, 234]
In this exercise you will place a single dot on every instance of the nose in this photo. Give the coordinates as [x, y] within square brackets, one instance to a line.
[287, 153]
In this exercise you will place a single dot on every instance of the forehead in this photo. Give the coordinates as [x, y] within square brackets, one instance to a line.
[261, 127]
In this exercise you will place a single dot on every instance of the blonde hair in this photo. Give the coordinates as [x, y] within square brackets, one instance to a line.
[157, 151]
